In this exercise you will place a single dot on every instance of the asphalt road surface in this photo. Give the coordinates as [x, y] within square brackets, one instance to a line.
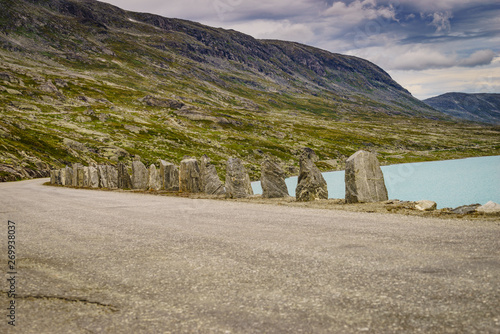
[115, 262]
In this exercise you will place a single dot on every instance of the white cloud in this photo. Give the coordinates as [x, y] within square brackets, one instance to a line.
[284, 30]
[441, 20]
[420, 57]
[481, 57]
[428, 83]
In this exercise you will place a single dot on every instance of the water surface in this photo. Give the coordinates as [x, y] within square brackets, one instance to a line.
[449, 183]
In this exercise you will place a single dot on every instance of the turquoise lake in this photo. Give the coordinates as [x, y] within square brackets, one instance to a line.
[449, 183]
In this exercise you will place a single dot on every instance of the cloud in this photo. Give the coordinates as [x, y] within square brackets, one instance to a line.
[432, 82]
[442, 21]
[421, 57]
[481, 57]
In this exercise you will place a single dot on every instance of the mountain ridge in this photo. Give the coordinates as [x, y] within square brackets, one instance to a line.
[476, 107]
[85, 81]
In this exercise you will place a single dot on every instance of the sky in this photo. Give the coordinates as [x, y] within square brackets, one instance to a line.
[430, 47]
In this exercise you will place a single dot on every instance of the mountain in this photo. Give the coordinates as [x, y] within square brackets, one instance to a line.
[85, 81]
[483, 108]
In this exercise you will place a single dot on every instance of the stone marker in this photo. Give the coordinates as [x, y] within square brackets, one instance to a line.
[62, 177]
[272, 180]
[139, 175]
[425, 205]
[364, 181]
[76, 182]
[79, 175]
[211, 183]
[237, 179]
[153, 178]
[311, 185]
[93, 177]
[52, 176]
[169, 176]
[68, 176]
[189, 176]
[86, 176]
[123, 180]
[113, 177]
[103, 176]
[490, 207]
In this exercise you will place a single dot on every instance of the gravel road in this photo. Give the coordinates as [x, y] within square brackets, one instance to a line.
[115, 262]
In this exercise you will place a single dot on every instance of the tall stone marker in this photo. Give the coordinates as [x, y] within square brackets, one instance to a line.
[68, 176]
[139, 175]
[272, 180]
[211, 183]
[93, 177]
[311, 184]
[364, 181]
[113, 177]
[123, 180]
[103, 176]
[190, 176]
[153, 178]
[237, 179]
[169, 176]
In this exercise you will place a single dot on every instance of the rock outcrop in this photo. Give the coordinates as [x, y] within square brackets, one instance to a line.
[311, 184]
[153, 178]
[139, 175]
[272, 180]
[238, 183]
[210, 181]
[169, 176]
[190, 176]
[364, 181]
[123, 180]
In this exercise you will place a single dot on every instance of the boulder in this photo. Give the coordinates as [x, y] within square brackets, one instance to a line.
[123, 180]
[139, 175]
[169, 176]
[364, 181]
[189, 176]
[490, 207]
[211, 183]
[466, 209]
[238, 183]
[311, 184]
[153, 178]
[93, 177]
[272, 180]
[425, 205]
[112, 177]
[103, 176]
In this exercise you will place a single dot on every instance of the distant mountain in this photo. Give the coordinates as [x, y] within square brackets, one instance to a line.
[484, 108]
[85, 81]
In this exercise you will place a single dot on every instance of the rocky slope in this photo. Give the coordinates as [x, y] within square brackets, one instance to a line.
[483, 108]
[84, 81]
